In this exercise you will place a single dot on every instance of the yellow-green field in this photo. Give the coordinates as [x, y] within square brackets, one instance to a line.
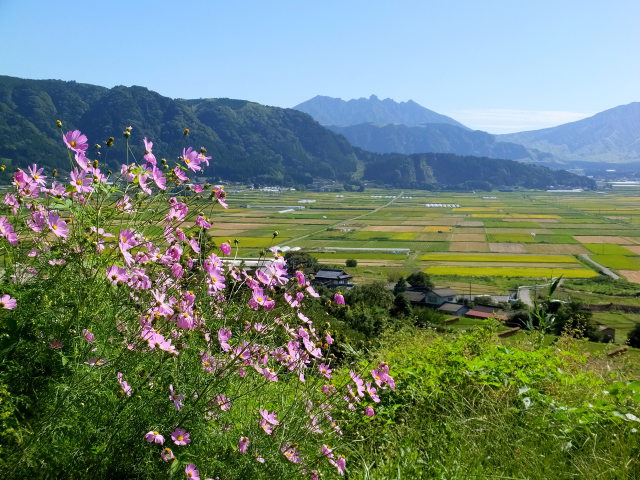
[458, 235]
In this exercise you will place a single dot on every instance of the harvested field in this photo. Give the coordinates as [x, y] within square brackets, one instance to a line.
[394, 228]
[468, 247]
[631, 275]
[449, 257]
[548, 249]
[437, 228]
[605, 239]
[470, 223]
[507, 248]
[468, 237]
[633, 248]
[539, 220]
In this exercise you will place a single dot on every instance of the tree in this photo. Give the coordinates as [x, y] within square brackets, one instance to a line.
[301, 261]
[400, 287]
[420, 280]
[634, 337]
[351, 263]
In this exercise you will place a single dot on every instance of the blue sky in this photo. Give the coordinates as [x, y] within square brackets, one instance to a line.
[496, 65]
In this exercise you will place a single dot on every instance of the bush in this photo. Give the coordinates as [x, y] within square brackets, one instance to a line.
[131, 348]
[351, 263]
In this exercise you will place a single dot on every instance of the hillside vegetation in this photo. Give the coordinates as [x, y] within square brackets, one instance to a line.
[249, 142]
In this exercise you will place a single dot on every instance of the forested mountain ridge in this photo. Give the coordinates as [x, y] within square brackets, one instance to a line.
[437, 137]
[249, 142]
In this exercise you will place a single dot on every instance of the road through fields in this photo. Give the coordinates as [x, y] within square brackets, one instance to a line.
[344, 222]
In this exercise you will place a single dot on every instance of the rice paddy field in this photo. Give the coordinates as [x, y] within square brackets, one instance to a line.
[521, 236]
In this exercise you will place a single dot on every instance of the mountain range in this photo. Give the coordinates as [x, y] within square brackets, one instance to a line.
[385, 126]
[249, 142]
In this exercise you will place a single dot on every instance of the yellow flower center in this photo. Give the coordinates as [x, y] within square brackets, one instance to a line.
[187, 161]
[55, 227]
[78, 182]
[73, 143]
[155, 433]
[180, 438]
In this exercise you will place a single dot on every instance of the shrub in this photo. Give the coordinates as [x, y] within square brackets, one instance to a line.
[351, 263]
[126, 330]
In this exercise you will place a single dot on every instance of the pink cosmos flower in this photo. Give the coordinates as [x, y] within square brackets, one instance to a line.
[82, 161]
[243, 444]
[325, 370]
[148, 155]
[117, 275]
[80, 181]
[223, 402]
[154, 436]
[191, 472]
[56, 344]
[371, 390]
[88, 336]
[6, 231]
[36, 174]
[57, 261]
[96, 362]
[180, 436]
[75, 141]
[7, 302]
[291, 453]
[167, 455]
[124, 205]
[180, 174]
[159, 178]
[202, 222]
[57, 225]
[369, 412]
[11, 201]
[220, 196]
[338, 298]
[381, 376]
[126, 388]
[175, 398]
[225, 248]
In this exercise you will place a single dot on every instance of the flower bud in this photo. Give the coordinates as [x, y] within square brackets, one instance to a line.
[54, 174]
[186, 132]
[203, 150]
[110, 141]
[59, 123]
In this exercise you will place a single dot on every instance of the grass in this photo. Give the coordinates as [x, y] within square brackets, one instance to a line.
[618, 262]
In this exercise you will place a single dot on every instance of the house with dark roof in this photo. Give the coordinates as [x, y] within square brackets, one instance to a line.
[452, 309]
[333, 278]
[440, 296]
[415, 297]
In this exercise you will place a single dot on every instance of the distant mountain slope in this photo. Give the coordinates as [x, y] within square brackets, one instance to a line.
[609, 136]
[335, 111]
[249, 142]
[438, 138]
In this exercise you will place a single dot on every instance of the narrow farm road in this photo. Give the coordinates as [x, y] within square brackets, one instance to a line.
[524, 292]
[346, 221]
[601, 268]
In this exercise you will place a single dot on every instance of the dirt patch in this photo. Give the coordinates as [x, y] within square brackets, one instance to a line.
[392, 228]
[566, 248]
[469, 223]
[468, 237]
[631, 275]
[604, 239]
[468, 247]
[519, 231]
[633, 248]
[507, 248]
